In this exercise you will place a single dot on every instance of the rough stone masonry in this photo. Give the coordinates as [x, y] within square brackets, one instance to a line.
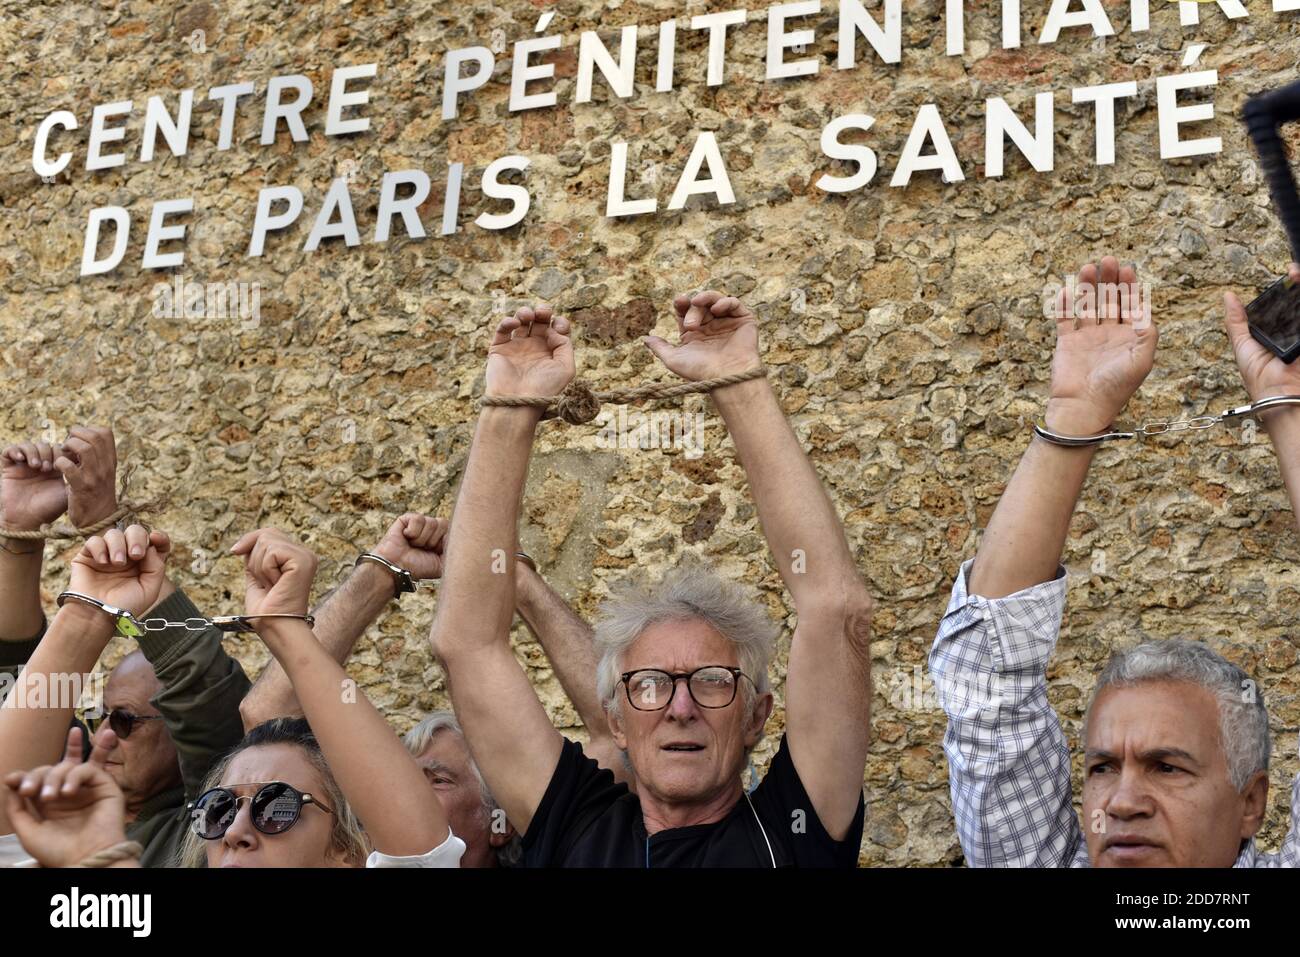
[903, 327]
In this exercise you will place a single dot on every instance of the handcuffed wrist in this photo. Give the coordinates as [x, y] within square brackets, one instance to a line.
[1070, 441]
[403, 580]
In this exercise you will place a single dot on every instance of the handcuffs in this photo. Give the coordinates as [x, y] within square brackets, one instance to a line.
[1148, 429]
[129, 626]
[405, 582]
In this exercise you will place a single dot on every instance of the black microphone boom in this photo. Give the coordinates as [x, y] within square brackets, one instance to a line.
[1264, 114]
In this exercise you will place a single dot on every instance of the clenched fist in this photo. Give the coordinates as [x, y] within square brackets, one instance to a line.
[125, 569]
[416, 543]
[278, 573]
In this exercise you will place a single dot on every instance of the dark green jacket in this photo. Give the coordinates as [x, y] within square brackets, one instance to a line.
[202, 687]
[14, 654]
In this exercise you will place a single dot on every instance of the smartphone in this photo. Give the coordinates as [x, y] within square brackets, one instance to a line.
[1274, 317]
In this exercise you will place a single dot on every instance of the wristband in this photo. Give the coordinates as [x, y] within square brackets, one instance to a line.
[405, 581]
[527, 560]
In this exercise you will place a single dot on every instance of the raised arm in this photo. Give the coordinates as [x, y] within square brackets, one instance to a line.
[828, 682]
[124, 569]
[200, 689]
[510, 735]
[382, 782]
[1008, 761]
[567, 641]
[1264, 375]
[413, 542]
[33, 492]
[1096, 368]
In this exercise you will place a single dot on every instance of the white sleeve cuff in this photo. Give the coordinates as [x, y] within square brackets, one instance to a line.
[446, 854]
[13, 854]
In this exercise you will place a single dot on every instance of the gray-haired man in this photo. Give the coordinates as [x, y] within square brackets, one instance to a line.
[684, 682]
[1176, 738]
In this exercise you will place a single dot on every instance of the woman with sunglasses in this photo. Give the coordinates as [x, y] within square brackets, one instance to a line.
[291, 794]
[272, 802]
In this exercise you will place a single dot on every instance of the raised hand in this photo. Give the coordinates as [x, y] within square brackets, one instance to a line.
[1263, 373]
[1103, 352]
[717, 336]
[530, 354]
[32, 492]
[416, 543]
[89, 466]
[122, 568]
[278, 573]
[64, 813]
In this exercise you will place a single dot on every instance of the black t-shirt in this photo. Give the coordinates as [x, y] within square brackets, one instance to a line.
[587, 819]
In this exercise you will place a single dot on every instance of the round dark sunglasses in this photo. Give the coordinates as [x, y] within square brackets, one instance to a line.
[121, 721]
[274, 808]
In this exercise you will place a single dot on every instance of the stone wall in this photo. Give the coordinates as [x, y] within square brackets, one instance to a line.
[903, 326]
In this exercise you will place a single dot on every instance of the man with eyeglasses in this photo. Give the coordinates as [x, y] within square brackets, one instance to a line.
[173, 702]
[683, 667]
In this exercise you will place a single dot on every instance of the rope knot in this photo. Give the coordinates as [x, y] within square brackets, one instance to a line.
[577, 404]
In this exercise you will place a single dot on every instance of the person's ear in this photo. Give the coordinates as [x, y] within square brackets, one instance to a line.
[338, 857]
[614, 719]
[1255, 803]
[615, 722]
[758, 716]
[500, 838]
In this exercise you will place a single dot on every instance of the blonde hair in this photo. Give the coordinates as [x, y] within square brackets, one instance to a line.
[346, 835]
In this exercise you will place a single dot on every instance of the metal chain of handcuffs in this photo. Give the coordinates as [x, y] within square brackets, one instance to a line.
[1148, 429]
[129, 626]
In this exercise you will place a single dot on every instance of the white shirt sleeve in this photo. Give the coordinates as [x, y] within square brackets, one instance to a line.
[13, 854]
[446, 854]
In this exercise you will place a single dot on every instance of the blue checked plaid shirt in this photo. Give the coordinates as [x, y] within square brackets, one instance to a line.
[1008, 761]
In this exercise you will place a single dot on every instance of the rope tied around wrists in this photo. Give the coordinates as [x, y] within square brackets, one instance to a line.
[579, 403]
[126, 507]
[122, 851]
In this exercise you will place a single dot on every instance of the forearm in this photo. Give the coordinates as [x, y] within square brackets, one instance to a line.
[20, 588]
[476, 601]
[567, 641]
[1025, 537]
[385, 787]
[1283, 427]
[800, 523]
[35, 717]
[341, 620]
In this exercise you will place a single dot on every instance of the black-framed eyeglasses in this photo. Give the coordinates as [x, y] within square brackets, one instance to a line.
[712, 686]
[121, 721]
[274, 808]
